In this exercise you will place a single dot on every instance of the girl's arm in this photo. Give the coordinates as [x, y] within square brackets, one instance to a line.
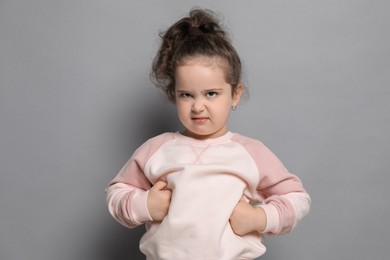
[127, 196]
[283, 200]
[132, 206]
[130, 197]
[277, 217]
[127, 204]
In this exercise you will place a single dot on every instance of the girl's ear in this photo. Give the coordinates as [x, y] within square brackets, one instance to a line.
[237, 94]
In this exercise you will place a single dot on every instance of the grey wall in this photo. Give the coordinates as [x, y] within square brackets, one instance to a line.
[76, 100]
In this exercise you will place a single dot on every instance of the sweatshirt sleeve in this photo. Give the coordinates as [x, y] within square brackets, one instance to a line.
[280, 192]
[127, 193]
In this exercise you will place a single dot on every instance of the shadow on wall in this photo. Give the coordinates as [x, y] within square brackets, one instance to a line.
[119, 242]
[150, 115]
[162, 119]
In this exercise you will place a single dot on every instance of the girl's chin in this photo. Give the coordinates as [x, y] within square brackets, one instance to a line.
[196, 135]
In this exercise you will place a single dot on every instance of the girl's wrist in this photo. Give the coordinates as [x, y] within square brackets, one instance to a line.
[261, 219]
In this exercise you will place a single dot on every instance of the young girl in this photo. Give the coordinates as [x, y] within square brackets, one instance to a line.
[204, 192]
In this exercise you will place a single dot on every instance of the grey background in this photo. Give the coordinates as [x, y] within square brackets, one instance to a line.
[76, 100]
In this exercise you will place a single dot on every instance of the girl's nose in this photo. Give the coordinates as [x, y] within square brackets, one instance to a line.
[197, 106]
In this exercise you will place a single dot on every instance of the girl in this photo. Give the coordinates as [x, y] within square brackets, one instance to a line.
[204, 192]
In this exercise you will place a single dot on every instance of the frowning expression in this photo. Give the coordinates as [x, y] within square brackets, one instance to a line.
[204, 98]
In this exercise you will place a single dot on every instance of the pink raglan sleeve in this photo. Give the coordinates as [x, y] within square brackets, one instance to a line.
[127, 193]
[282, 194]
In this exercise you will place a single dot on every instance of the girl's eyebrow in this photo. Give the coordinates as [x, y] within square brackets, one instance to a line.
[181, 91]
[212, 90]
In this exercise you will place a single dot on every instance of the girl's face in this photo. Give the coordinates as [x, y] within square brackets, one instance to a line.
[204, 98]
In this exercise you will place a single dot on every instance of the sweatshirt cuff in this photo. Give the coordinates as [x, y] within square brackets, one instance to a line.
[272, 215]
[140, 207]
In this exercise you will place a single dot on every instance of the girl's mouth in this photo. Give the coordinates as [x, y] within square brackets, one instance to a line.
[200, 119]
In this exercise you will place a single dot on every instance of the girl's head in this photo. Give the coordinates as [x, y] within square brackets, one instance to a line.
[200, 72]
[197, 36]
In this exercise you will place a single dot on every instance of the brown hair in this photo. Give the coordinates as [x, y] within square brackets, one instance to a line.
[198, 35]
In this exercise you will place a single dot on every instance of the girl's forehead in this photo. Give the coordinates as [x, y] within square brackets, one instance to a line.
[216, 63]
[197, 74]
[204, 61]
[206, 69]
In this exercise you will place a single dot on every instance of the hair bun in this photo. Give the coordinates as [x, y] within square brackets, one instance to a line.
[194, 31]
[198, 34]
[210, 27]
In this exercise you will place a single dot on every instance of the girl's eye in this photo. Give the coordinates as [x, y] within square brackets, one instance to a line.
[212, 94]
[185, 95]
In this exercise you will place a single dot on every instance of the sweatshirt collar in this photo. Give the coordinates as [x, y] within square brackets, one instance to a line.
[221, 139]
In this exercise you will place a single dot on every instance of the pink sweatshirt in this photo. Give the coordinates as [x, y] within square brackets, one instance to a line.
[207, 178]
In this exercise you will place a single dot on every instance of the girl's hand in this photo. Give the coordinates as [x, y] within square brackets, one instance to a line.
[159, 198]
[246, 218]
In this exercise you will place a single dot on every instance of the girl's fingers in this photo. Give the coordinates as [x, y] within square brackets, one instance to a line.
[160, 185]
